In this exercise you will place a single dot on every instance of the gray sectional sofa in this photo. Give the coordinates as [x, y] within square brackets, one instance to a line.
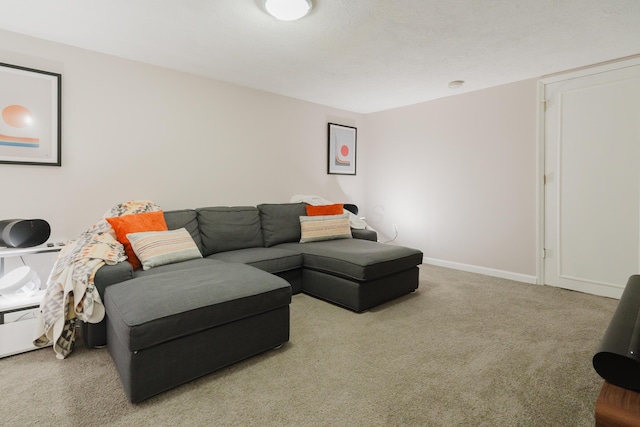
[176, 322]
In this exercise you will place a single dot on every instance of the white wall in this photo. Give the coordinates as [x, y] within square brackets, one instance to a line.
[134, 131]
[458, 177]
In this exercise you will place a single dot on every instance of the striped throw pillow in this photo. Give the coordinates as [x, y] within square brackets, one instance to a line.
[324, 227]
[155, 248]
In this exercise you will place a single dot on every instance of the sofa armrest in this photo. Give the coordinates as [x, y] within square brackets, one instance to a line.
[111, 274]
[364, 234]
[95, 334]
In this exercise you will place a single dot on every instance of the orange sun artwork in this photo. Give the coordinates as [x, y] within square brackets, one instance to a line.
[18, 116]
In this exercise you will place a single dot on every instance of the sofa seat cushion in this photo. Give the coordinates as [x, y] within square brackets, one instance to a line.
[356, 259]
[184, 265]
[147, 311]
[271, 260]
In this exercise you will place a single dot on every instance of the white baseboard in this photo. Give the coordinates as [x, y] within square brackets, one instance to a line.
[482, 270]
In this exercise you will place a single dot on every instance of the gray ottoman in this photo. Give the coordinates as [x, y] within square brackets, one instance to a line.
[166, 329]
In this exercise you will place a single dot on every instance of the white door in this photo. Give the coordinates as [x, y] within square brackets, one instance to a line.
[592, 173]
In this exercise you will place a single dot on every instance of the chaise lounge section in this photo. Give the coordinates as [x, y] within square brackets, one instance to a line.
[357, 274]
[167, 329]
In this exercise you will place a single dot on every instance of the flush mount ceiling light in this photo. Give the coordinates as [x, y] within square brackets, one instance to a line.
[287, 10]
[456, 84]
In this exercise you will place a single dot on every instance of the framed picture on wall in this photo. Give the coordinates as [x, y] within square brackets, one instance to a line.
[342, 149]
[30, 116]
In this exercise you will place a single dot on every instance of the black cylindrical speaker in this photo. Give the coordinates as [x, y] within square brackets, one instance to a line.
[23, 233]
[617, 359]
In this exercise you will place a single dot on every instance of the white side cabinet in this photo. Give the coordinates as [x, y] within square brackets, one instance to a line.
[18, 323]
[18, 314]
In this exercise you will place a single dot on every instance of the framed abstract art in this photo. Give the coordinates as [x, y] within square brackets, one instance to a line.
[30, 116]
[341, 149]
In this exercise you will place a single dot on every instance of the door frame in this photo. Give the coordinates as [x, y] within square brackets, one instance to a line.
[604, 67]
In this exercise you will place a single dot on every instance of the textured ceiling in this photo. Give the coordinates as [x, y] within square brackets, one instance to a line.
[359, 55]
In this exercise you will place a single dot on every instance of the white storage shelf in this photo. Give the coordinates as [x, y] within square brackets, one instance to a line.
[10, 252]
[18, 323]
[18, 314]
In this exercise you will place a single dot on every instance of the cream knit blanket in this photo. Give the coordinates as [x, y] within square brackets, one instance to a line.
[70, 293]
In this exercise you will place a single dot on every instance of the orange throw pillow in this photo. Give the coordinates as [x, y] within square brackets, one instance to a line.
[337, 209]
[136, 223]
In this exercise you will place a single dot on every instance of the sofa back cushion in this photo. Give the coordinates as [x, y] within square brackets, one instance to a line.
[281, 222]
[229, 228]
[185, 218]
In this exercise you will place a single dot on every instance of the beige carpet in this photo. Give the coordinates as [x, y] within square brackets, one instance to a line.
[465, 349]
